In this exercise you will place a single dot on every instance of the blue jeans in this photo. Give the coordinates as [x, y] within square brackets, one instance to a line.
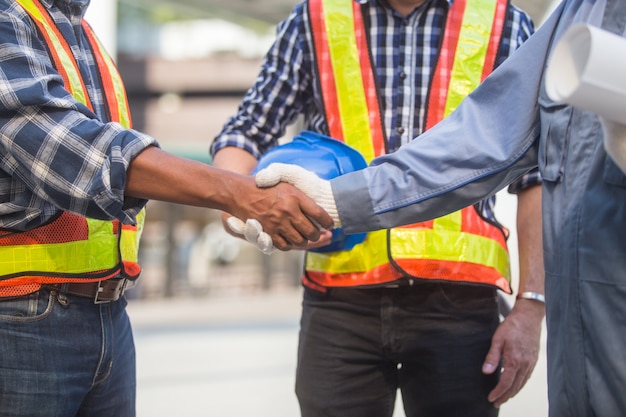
[359, 346]
[64, 356]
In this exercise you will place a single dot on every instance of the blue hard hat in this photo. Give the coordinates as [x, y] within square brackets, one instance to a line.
[328, 158]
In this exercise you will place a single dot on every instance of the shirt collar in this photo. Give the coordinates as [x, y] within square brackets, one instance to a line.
[79, 4]
[368, 1]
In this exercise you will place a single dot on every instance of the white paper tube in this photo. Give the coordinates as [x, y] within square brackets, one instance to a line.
[587, 69]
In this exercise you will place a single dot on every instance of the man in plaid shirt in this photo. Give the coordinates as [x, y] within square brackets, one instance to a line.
[73, 180]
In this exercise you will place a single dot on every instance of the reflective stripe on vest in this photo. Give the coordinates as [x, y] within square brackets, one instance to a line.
[458, 247]
[350, 98]
[72, 247]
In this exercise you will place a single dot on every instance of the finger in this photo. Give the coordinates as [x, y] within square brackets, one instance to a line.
[515, 373]
[492, 362]
[236, 225]
[297, 235]
[269, 176]
[252, 230]
[281, 243]
[516, 384]
[507, 378]
[265, 243]
[317, 215]
[494, 356]
[325, 239]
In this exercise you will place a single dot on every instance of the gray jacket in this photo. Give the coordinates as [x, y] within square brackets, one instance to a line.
[504, 128]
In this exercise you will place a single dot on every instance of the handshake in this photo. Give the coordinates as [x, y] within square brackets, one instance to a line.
[316, 188]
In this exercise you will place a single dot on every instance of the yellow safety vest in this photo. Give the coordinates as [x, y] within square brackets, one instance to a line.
[459, 247]
[72, 248]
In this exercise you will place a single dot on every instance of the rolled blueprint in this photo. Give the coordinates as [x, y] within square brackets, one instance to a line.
[587, 70]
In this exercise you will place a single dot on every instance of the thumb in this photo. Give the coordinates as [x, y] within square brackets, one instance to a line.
[269, 176]
[236, 225]
[492, 360]
[277, 172]
[254, 233]
[252, 230]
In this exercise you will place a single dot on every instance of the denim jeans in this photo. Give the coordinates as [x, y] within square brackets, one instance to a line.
[64, 356]
[359, 346]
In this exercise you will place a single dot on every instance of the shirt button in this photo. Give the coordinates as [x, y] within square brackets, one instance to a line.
[402, 75]
[400, 130]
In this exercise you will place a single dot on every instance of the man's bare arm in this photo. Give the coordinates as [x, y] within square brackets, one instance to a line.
[284, 211]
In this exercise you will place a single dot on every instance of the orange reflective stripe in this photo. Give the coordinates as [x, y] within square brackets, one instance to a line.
[113, 85]
[469, 54]
[62, 55]
[440, 271]
[325, 69]
[474, 224]
[443, 71]
[18, 290]
[346, 75]
[494, 41]
[369, 83]
[382, 274]
[460, 56]
[420, 252]
[23, 281]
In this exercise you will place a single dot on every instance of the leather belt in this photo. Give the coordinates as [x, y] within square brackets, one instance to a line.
[101, 291]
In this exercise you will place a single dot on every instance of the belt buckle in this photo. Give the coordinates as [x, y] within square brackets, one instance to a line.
[119, 290]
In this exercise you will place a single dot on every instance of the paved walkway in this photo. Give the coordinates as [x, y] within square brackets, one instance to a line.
[234, 355]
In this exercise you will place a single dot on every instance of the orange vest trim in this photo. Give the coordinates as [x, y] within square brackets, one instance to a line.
[462, 18]
[62, 57]
[113, 86]
[440, 271]
[343, 97]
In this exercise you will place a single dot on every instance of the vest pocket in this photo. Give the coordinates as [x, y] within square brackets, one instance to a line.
[555, 132]
[612, 173]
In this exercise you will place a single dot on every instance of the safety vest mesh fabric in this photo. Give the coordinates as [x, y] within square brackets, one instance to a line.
[72, 248]
[459, 247]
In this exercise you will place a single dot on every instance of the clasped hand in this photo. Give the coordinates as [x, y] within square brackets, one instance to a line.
[309, 183]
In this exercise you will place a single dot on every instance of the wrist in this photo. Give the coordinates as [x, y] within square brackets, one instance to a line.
[531, 295]
[530, 304]
[326, 200]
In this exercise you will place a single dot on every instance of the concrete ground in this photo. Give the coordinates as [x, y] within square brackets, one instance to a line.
[234, 355]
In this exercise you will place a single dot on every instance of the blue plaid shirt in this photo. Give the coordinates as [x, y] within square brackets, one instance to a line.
[404, 51]
[55, 153]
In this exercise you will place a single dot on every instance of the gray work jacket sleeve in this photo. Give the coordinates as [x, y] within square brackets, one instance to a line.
[488, 142]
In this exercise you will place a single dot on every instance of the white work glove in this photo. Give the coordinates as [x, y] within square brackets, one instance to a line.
[253, 232]
[615, 142]
[309, 183]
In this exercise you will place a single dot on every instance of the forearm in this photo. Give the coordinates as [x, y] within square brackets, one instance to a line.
[516, 341]
[234, 159]
[286, 214]
[157, 175]
[530, 244]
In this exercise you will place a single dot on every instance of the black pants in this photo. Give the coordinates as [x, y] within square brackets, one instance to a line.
[359, 346]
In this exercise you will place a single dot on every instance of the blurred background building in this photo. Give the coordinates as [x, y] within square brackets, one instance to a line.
[187, 64]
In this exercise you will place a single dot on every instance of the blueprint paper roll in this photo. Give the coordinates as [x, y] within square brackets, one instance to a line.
[587, 70]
